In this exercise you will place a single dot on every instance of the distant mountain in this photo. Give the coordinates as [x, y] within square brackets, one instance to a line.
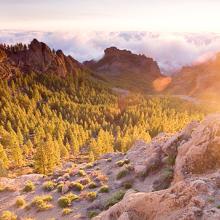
[125, 69]
[37, 57]
[120, 68]
[201, 80]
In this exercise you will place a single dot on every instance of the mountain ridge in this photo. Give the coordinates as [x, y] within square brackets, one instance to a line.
[36, 57]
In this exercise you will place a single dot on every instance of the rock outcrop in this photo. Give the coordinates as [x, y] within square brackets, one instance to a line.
[37, 57]
[117, 61]
[122, 66]
[194, 188]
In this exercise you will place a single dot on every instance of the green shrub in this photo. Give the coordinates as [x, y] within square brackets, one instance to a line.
[7, 215]
[127, 185]
[91, 196]
[66, 201]
[49, 186]
[120, 163]
[126, 161]
[66, 211]
[92, 185]
[115, 198]
[89, 165]
[29, 186]
[76, 186]
[60, 187]
[82, 173]
[122, 174]
[92, 214]
[41, 203]
[20, 202]
[104, 189]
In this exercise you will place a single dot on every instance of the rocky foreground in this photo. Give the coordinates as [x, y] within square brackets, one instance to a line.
[174, 177]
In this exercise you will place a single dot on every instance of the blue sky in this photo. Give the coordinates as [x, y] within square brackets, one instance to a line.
[111, 15]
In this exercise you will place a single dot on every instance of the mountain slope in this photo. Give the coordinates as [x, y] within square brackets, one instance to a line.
[176, 176]
[202, 80]
[125, 69]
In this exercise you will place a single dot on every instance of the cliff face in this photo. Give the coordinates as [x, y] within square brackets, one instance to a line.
[117, 62]
[122, 67]
[38, 57]
[202, 80]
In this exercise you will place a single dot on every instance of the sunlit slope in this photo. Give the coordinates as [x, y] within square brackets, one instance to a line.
[202, 80]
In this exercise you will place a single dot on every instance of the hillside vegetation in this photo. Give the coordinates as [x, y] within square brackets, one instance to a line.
[45, 118]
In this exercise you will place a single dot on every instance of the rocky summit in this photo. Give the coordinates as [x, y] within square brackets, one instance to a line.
[36, 57]
[124, 68]
[174, 177]
[116, 61]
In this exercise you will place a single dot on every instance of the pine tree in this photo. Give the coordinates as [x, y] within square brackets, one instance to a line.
[4, 163]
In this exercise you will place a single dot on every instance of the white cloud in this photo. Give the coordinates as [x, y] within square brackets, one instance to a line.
[171, 50]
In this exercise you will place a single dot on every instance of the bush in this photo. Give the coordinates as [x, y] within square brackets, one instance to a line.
[126, 161]
[7, 215]
[92, 214]
[89, 165]
[115, 198]
[20, 202]
[41, 203]
[82, 173]
[49, 186]
[99, 176]
[60, 187]
[92, 185]
[66, 201]
[66, 211]
[127, 185]
[76, 186]
[120, 163]
[91, 196]
[104, 189]
[122, 174]
[29, 186]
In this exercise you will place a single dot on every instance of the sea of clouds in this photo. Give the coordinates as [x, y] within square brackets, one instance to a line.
[170, 50]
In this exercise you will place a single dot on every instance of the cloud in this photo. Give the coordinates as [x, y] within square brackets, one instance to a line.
[170, 50]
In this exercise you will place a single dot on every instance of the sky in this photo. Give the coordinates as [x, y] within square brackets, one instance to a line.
[111, 15]
[173, 32]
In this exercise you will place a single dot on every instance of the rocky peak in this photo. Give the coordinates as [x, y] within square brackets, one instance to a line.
[38, 57]
[120, 61]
